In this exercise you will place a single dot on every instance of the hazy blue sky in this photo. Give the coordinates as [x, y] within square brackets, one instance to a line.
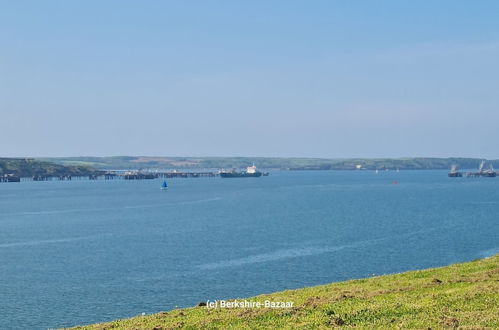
[249, 78]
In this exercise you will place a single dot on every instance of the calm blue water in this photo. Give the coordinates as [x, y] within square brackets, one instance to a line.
[82, 252]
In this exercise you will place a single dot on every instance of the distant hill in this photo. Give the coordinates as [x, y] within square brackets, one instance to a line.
[131, 162]
[27, 167]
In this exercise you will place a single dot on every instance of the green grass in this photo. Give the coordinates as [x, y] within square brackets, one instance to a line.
[462, 295]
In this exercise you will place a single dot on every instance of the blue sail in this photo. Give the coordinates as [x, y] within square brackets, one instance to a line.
[164, 185]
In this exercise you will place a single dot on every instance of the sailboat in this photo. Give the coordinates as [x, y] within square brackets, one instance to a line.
[164, 185]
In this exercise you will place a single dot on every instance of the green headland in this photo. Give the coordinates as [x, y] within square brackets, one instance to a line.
[457, 296]
[28, 167]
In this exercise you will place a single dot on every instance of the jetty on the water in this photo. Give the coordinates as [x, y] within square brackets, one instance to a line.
[116, 175]
[9, 178]
[482, 172]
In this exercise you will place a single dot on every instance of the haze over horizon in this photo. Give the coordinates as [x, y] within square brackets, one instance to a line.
[246, 156]
[324, 79]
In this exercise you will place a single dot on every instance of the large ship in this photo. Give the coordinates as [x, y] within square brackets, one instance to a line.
[454, 172]
[250, 172]
[490, 173]
[482, 172]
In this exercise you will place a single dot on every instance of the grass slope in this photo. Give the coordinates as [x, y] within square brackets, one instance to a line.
[462, 295]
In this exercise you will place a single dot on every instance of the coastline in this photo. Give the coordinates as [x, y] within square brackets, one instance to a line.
[458, 295]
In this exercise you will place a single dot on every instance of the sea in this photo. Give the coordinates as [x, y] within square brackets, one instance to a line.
[80, 252]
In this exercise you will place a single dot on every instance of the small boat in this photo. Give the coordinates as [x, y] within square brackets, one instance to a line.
[164, 185]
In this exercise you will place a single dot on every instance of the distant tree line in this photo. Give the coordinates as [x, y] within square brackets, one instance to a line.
[28, 167]
[130, 162]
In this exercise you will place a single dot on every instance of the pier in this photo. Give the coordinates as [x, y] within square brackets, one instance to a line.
[482, 172]
[115, 175]
[9, 178]
[163, 175]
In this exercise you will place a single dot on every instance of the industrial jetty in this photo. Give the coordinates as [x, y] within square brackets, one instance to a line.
[482, 172]
[138, 175]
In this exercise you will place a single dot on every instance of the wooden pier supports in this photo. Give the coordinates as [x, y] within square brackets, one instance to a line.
[114, 175]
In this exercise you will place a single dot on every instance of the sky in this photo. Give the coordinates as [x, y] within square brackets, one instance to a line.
[330, 79]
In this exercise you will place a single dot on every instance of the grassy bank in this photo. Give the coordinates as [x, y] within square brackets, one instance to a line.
[461, 295]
